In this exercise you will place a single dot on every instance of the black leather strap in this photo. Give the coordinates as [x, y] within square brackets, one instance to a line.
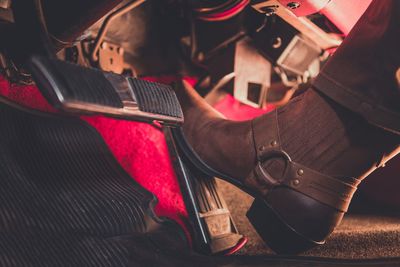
[328, 190]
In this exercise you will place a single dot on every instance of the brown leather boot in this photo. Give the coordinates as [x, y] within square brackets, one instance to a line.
[302, 162]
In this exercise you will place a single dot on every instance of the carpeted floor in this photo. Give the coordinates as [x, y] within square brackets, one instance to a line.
[360, 236]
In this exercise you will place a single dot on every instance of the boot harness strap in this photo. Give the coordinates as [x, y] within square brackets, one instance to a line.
[323, 188]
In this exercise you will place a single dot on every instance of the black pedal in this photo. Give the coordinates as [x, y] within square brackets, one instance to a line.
[214, 231]
[82, 90]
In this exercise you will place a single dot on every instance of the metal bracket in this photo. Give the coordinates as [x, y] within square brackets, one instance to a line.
[252, 74]
[302, 24]
[111, 57]
[106, 24]
[12, 73]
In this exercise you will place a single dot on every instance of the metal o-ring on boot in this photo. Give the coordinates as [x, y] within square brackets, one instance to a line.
[273, 222]
[269, 225]
[320, 200]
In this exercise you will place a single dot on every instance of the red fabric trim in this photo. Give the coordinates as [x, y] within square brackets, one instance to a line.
[225, 14]
[140, 148]
[235, 110]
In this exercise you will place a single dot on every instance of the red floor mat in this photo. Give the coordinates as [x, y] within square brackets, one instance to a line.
[142, 151]
[139, 147]
[235, 110]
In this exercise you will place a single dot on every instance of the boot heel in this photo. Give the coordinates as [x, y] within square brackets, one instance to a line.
[278, 235]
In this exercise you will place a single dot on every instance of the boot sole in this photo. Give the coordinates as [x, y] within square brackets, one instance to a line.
[277, 234]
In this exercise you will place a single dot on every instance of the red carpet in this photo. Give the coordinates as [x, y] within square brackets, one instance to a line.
[139, 147]
[141, 150]
[235, 110]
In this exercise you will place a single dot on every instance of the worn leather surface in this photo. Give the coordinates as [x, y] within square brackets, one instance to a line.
[315, 205]
[234, 148]
[225, 145]
[328, 190]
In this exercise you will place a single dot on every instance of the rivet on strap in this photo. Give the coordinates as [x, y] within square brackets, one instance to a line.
[323, 188]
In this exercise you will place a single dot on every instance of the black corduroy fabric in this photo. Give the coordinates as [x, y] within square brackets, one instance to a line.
[64, 199]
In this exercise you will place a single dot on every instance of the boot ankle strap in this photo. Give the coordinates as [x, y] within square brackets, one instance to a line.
[323, 188]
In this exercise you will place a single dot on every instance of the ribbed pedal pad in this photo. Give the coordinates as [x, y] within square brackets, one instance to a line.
[155, 98]
[81, 90]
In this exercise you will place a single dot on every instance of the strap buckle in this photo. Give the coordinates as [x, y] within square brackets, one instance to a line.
[265, 175]
[323, 188]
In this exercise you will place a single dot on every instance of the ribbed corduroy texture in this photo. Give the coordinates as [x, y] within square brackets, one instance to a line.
[64, 200]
